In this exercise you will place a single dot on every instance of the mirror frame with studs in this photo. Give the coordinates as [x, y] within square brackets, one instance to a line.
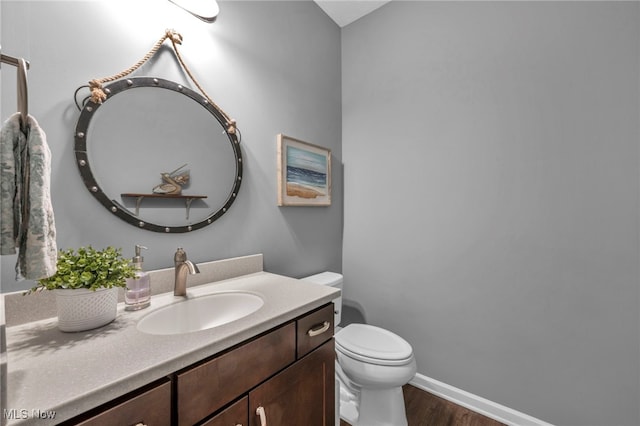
[90, 181]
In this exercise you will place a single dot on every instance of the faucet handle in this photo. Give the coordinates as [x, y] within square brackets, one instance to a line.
[180, 255]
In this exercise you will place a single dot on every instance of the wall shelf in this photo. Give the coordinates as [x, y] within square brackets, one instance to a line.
[139, 197]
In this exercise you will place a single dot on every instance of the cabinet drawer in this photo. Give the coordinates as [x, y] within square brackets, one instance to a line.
[237, 414]
[314, 329]
[151, 408]
[206, 388]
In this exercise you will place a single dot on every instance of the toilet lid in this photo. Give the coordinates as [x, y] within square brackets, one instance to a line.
[376, 345]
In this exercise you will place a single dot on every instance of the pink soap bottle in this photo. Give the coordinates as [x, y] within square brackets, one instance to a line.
[137, 295]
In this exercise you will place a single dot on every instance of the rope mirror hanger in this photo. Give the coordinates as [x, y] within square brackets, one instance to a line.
[98, 94]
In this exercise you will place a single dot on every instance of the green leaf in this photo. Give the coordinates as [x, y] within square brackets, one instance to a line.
[88, 268]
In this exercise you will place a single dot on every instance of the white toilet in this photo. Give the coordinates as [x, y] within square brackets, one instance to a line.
[372, 366]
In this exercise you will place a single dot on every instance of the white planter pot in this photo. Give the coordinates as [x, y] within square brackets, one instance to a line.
[83, 309]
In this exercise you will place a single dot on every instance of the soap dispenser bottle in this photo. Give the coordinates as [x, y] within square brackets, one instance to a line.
[137, 295]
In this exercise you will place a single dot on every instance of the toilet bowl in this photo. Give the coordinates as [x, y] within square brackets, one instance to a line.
[378, 363]
[372, 365]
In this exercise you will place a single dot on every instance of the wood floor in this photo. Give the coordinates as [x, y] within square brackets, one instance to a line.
[425, 409]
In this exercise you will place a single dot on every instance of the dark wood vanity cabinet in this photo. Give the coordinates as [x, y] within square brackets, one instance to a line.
[288, 372]
[283, 377]
[207, 387]
[150, 406]
[303, 394]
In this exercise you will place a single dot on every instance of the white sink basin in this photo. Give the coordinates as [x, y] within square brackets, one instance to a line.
[200, 313]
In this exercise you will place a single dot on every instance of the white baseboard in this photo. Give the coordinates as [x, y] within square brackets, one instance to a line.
[475, 403]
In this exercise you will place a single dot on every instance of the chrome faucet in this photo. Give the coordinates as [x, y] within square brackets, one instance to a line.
[182, 266]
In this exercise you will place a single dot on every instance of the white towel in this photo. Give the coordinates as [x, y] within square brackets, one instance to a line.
[26, 214]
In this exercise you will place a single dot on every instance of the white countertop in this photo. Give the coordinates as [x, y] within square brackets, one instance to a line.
[70, 373]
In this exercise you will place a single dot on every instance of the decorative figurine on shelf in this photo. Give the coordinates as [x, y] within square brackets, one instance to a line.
[172, 182]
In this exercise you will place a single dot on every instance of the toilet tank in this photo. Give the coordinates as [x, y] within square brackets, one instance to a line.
[331, 279]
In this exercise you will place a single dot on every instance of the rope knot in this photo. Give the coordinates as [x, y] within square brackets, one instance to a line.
[231, 127]
[97, 94]
[174, 36]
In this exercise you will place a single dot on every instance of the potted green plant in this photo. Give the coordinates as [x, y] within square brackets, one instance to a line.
[86, 286]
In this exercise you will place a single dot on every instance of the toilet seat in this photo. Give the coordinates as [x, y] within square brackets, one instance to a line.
[373, 345]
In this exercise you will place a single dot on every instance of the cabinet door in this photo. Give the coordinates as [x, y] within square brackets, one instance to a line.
[302, 394]
[235, 415]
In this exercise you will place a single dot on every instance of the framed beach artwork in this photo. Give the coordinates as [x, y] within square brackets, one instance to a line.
[304, 173]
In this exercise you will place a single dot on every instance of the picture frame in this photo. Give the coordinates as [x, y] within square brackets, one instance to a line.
[304, 173]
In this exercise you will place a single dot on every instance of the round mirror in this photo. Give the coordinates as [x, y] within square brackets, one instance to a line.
[164, 158]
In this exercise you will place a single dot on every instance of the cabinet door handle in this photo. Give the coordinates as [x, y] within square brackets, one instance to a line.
[319, 329]
[263, 416]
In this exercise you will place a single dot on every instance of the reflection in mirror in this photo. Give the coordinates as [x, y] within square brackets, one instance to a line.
[148, 127]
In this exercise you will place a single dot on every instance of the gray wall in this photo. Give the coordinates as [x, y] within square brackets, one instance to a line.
[491, 197]
[275, 75]
[491, 173]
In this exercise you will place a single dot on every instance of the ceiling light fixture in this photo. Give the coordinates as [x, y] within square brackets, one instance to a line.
[205, 10]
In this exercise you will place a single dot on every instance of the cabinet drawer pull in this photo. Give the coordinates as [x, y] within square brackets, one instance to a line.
[263, 416]
[319, 329]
